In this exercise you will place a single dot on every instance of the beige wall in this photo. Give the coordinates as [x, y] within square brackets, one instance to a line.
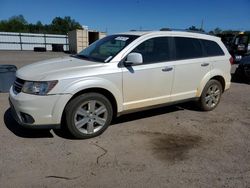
[79, 39]
[102, 35]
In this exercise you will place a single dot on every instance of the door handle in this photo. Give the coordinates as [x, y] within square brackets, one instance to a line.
[204, 64]
[166, 69]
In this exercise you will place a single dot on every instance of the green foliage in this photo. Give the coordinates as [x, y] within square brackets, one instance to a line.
[211, 32]
[217, 31]
[14, 24]
[63, 25]
[165, 29]
[58, 25]
[193, 28]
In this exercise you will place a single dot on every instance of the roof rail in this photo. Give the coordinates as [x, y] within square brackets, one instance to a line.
[185, 30]
[201, 32]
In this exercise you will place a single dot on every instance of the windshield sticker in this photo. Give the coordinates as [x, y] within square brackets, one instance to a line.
[122, 38]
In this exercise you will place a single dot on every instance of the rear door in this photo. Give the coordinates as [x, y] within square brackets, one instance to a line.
[191, 66]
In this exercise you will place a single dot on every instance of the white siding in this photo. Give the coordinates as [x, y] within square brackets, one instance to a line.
[11, 41]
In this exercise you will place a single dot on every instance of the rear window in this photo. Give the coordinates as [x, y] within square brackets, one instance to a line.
[212, 48]
[188, 48]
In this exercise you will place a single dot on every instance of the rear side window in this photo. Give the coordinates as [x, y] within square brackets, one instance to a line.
[188, 48]
[212, 48]
[154, 50]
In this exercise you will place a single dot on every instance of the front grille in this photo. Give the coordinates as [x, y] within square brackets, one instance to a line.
[18, 85]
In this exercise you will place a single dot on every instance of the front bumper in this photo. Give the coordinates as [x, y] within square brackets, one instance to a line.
[46, 111]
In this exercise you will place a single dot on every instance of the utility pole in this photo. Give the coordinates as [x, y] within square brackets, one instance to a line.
[202, 24]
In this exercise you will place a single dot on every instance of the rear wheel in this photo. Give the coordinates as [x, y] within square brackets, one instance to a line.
[211, 95]
[88, 115]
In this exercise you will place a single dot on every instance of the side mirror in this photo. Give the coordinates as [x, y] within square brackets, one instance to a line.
[134, 59]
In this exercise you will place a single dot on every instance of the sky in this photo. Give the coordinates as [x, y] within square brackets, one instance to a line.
[118, 16]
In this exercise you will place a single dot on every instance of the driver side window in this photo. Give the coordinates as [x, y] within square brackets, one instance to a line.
[154, 50]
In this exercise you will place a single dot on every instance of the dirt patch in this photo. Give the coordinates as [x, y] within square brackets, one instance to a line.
[172, 147]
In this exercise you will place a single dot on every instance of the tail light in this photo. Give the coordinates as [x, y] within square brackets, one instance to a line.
[231, 60]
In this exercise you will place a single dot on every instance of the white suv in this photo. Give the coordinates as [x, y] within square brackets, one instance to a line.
[121, 73]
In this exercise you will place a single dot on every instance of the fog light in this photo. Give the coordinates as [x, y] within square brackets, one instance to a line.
[26, 118]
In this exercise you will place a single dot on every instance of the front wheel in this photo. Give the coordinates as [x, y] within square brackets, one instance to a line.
[211, 95]
[88, 115]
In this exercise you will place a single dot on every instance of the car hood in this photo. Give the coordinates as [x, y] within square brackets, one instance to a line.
[59, 68]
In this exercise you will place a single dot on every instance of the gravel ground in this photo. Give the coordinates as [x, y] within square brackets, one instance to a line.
[174, 146]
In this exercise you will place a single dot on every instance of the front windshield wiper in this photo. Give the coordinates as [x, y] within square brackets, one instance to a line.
[88, 58]
[82, 56]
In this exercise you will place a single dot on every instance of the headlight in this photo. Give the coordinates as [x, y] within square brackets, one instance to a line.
[38, 88]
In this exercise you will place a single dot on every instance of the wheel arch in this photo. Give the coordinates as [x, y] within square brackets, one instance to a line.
[101, 91]
[213, 75]
[221, 80]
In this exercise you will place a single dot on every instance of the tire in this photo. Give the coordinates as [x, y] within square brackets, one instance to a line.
[210, 96]
[88, 115]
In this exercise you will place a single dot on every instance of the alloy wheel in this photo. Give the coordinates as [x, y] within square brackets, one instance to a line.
[90, 117]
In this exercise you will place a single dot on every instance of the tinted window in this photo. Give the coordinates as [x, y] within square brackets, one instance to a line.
[212, 48]
[154, 50]
[187, 48]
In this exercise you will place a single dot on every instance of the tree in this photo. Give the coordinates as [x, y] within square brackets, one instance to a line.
[211, 32]
[64, 25]
[39, 27]
[14, 24]
[230, 31]
[217, 31]
[193, 28]
[3, 25]
[58, 25]
[165, 29]
[20, 19]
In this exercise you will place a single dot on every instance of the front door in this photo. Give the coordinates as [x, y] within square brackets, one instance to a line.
[149, 83]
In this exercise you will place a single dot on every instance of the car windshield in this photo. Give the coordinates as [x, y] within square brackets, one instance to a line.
[105, 49]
